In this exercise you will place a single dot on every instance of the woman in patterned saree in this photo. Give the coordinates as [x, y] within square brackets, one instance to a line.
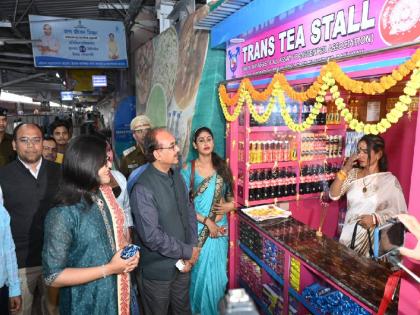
[84, 236]
[373, 194]
[210, 182]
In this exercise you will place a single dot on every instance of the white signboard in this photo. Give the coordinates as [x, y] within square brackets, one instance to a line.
[81, 43]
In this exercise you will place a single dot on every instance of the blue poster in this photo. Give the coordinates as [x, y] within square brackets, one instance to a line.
[77, 43]
[124, 113]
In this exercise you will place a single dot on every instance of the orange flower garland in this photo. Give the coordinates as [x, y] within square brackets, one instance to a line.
[374, 87]
[279, 83]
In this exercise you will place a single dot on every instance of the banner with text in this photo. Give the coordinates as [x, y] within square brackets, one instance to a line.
[77, 43]
[346, 28]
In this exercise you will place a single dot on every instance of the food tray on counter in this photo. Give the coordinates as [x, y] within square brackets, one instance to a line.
[266, 212]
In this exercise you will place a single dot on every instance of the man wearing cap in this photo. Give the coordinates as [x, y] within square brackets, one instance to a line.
[133, 157]
[7, 154]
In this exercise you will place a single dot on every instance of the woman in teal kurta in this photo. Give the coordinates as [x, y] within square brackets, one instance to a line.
[212, 184]
[81, 241]
[76, 237]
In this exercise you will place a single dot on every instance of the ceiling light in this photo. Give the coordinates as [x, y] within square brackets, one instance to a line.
[113, 6]
[5, 24]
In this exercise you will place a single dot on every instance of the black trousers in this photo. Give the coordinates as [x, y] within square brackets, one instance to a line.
[166, 297]
[4, 300]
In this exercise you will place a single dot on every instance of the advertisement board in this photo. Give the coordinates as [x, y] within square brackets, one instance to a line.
[77, 43]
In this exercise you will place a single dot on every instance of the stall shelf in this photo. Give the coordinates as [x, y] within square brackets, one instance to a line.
[248, 145]
[321, 259]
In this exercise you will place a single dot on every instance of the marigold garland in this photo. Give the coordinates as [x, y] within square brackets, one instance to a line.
[330, 74]
[355, 86]
[309, 121]
[236, 112]
[266, 115]
[392, 117]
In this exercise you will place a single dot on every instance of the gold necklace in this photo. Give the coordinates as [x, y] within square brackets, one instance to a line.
[365, 185]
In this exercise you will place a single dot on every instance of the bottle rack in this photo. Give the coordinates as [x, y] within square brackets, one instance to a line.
[273, 164]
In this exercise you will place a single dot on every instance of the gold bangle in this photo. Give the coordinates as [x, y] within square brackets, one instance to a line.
[342, 175]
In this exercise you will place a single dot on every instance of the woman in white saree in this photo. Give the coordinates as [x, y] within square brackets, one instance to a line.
[374, 195]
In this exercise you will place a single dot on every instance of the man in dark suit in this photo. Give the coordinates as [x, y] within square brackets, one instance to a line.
[166, 223]
[27, 187]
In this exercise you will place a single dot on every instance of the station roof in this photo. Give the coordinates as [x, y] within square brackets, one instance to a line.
[17, 72]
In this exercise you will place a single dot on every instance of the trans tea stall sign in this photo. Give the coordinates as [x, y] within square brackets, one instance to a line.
[345, 28]
[81, 43]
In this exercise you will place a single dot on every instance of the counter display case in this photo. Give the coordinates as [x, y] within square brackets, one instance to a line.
[285, 266]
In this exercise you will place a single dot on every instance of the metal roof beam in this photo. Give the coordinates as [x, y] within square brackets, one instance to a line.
[24, 62]
[24, 14]
[18, 55]
[20, 80]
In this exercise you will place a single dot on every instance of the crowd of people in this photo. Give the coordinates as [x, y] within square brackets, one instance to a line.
[67, 211]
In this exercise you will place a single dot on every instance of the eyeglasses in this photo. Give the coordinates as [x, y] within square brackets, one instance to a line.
[171, 147]
[141, 130]
[33, 141]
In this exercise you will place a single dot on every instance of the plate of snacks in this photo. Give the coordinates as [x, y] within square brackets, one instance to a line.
[266, 212]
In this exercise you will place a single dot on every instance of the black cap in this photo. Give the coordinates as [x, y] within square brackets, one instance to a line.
[3, 111]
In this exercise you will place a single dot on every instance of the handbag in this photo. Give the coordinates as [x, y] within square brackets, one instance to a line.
[353, 239]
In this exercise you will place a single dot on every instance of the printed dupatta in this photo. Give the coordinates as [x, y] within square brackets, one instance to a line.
[216, 199]
[118, 220]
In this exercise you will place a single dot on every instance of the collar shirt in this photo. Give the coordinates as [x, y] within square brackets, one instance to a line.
[38, 167]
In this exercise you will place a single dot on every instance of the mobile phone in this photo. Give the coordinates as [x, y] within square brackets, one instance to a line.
[180, 265]
[356, 164]
[388, 237]
[129, 251]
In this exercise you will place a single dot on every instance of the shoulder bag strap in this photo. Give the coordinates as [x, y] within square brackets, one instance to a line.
[353, 238]
[370, 243]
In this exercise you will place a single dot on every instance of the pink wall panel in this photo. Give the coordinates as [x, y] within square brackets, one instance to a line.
[409, 303]
[399, 142]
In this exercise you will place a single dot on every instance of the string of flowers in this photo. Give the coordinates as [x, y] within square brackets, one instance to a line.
[392, 117]
[237, 111]
[374, 87]
[266, 115]
[312, 114]
[330, 74]
[355, 86]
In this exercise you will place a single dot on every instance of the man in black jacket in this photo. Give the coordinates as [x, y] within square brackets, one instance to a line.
[166, 223]
[28, 186]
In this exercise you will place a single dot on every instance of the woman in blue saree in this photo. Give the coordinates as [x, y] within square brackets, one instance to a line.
[210, 183]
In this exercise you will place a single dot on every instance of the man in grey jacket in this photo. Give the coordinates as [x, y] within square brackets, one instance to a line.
[165, 221]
